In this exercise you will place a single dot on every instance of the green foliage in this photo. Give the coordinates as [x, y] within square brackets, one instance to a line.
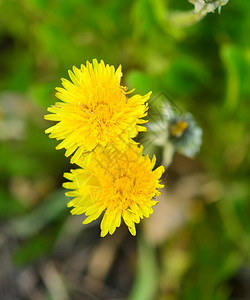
[204, 68]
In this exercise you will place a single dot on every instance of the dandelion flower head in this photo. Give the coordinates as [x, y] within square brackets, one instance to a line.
[120, 184]
[95, 110]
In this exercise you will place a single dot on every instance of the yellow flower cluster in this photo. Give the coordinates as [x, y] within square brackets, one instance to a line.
[97, 122]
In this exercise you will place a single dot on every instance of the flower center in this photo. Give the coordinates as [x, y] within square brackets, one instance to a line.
[123, 186]
[102, 113]
[178, 128]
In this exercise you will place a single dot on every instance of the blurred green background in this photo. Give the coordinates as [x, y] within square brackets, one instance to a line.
[197, 245]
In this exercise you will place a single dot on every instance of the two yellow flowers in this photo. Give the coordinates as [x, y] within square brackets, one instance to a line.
[97, 122]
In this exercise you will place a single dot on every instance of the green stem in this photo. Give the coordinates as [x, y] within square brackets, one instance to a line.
[146, 278]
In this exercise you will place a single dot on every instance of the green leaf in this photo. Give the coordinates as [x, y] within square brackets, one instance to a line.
[237, 65]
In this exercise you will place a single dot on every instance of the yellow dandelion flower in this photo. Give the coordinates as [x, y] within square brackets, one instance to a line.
[120, 184]
[96, 110]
